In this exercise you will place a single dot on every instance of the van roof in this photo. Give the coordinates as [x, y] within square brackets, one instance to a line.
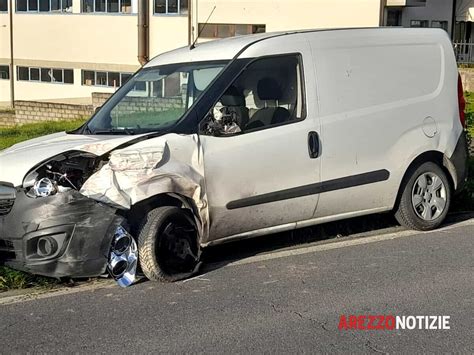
[228, 48]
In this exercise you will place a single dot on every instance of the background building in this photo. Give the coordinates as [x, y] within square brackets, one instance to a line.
[454, 16]
[66, 49]
[420, 13]
[63, 50]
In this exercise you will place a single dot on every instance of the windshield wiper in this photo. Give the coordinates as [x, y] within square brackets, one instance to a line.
[87, 130]
[122, 131]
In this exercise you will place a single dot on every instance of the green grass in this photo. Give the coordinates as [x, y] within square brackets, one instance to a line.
[13, 135]
[7, 110]
[13, 279]
[465, 200]
[470, 112]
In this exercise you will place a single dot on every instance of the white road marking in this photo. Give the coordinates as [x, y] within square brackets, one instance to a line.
[104, 284]
[342, 244]
[198, 278]
[40, 294]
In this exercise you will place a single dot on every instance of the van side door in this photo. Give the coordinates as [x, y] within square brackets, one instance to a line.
[261, 173]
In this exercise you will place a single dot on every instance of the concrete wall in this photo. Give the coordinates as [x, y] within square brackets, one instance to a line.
[98, 99]
[33, 112]
[7, 119]
[467, 77]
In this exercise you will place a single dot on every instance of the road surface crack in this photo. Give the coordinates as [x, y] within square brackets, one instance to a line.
[373, 348]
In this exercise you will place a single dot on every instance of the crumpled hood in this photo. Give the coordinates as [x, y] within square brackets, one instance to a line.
[19, 159]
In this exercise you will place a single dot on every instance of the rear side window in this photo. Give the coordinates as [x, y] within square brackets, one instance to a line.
[268, 93]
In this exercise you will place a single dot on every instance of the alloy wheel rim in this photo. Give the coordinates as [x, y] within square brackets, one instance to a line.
[176, 250]
[429, 196]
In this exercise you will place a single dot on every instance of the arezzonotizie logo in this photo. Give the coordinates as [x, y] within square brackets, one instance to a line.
[391, 322]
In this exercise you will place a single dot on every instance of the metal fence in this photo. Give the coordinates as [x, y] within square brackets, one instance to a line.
[464, 52]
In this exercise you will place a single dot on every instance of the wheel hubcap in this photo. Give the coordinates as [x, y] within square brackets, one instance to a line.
[429, 196]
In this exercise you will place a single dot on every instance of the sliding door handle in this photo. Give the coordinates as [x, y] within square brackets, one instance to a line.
[313, 145]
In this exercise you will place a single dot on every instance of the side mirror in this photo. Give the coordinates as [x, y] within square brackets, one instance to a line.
[97, 109]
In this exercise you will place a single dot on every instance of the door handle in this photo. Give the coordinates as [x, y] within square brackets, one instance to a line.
[313, 145]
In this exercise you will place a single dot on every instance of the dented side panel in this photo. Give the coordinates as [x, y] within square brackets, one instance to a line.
[168, 164]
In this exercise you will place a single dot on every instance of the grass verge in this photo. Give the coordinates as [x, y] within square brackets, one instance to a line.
[13, 135]
[465, 200]
[12, 279]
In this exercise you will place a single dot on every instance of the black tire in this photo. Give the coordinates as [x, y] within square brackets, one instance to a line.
[410, 216]
[163, 231]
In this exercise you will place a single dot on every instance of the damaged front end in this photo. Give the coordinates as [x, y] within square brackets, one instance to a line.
[65, 234]
[47, 227]
[76, 215]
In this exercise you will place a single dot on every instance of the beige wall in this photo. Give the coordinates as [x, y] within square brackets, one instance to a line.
[166, 33]
[294, 14]
[109, 41]
[76, 38]
[4, 36]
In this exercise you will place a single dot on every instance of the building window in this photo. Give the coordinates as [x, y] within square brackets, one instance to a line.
[394, 17]
[125, 77]
[107, 6]
[440, 24]
[46, 75]
[172, 7]
[419, 23]
[222, 30]
[104, 78]
[4, 72]
[3, 5]
[43, 5]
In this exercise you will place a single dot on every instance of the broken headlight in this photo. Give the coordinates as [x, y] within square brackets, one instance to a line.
[62, 173]
[44, 187]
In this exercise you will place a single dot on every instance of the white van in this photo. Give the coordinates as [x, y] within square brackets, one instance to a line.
[238, 138]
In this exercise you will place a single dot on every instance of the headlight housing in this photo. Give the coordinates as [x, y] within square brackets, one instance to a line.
[44, 187]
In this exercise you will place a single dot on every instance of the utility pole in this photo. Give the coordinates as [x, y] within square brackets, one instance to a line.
[190, 22]
[383, 5]
[453, 21]
[12, 82]
[143, 32]
[192, 16]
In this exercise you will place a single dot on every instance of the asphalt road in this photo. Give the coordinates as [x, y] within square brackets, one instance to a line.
[283, 300]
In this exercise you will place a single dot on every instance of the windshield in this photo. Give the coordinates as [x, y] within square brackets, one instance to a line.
[154, 98]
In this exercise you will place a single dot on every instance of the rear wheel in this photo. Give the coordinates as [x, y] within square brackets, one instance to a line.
[168, 247]
[425, 199]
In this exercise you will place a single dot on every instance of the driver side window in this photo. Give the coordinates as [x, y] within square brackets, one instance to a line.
[266, 94]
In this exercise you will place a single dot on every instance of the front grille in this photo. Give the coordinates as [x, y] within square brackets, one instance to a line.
[6, 206]
[7, 250]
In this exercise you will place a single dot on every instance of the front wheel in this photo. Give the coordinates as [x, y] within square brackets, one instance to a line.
[168, 247]
[425, 199]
